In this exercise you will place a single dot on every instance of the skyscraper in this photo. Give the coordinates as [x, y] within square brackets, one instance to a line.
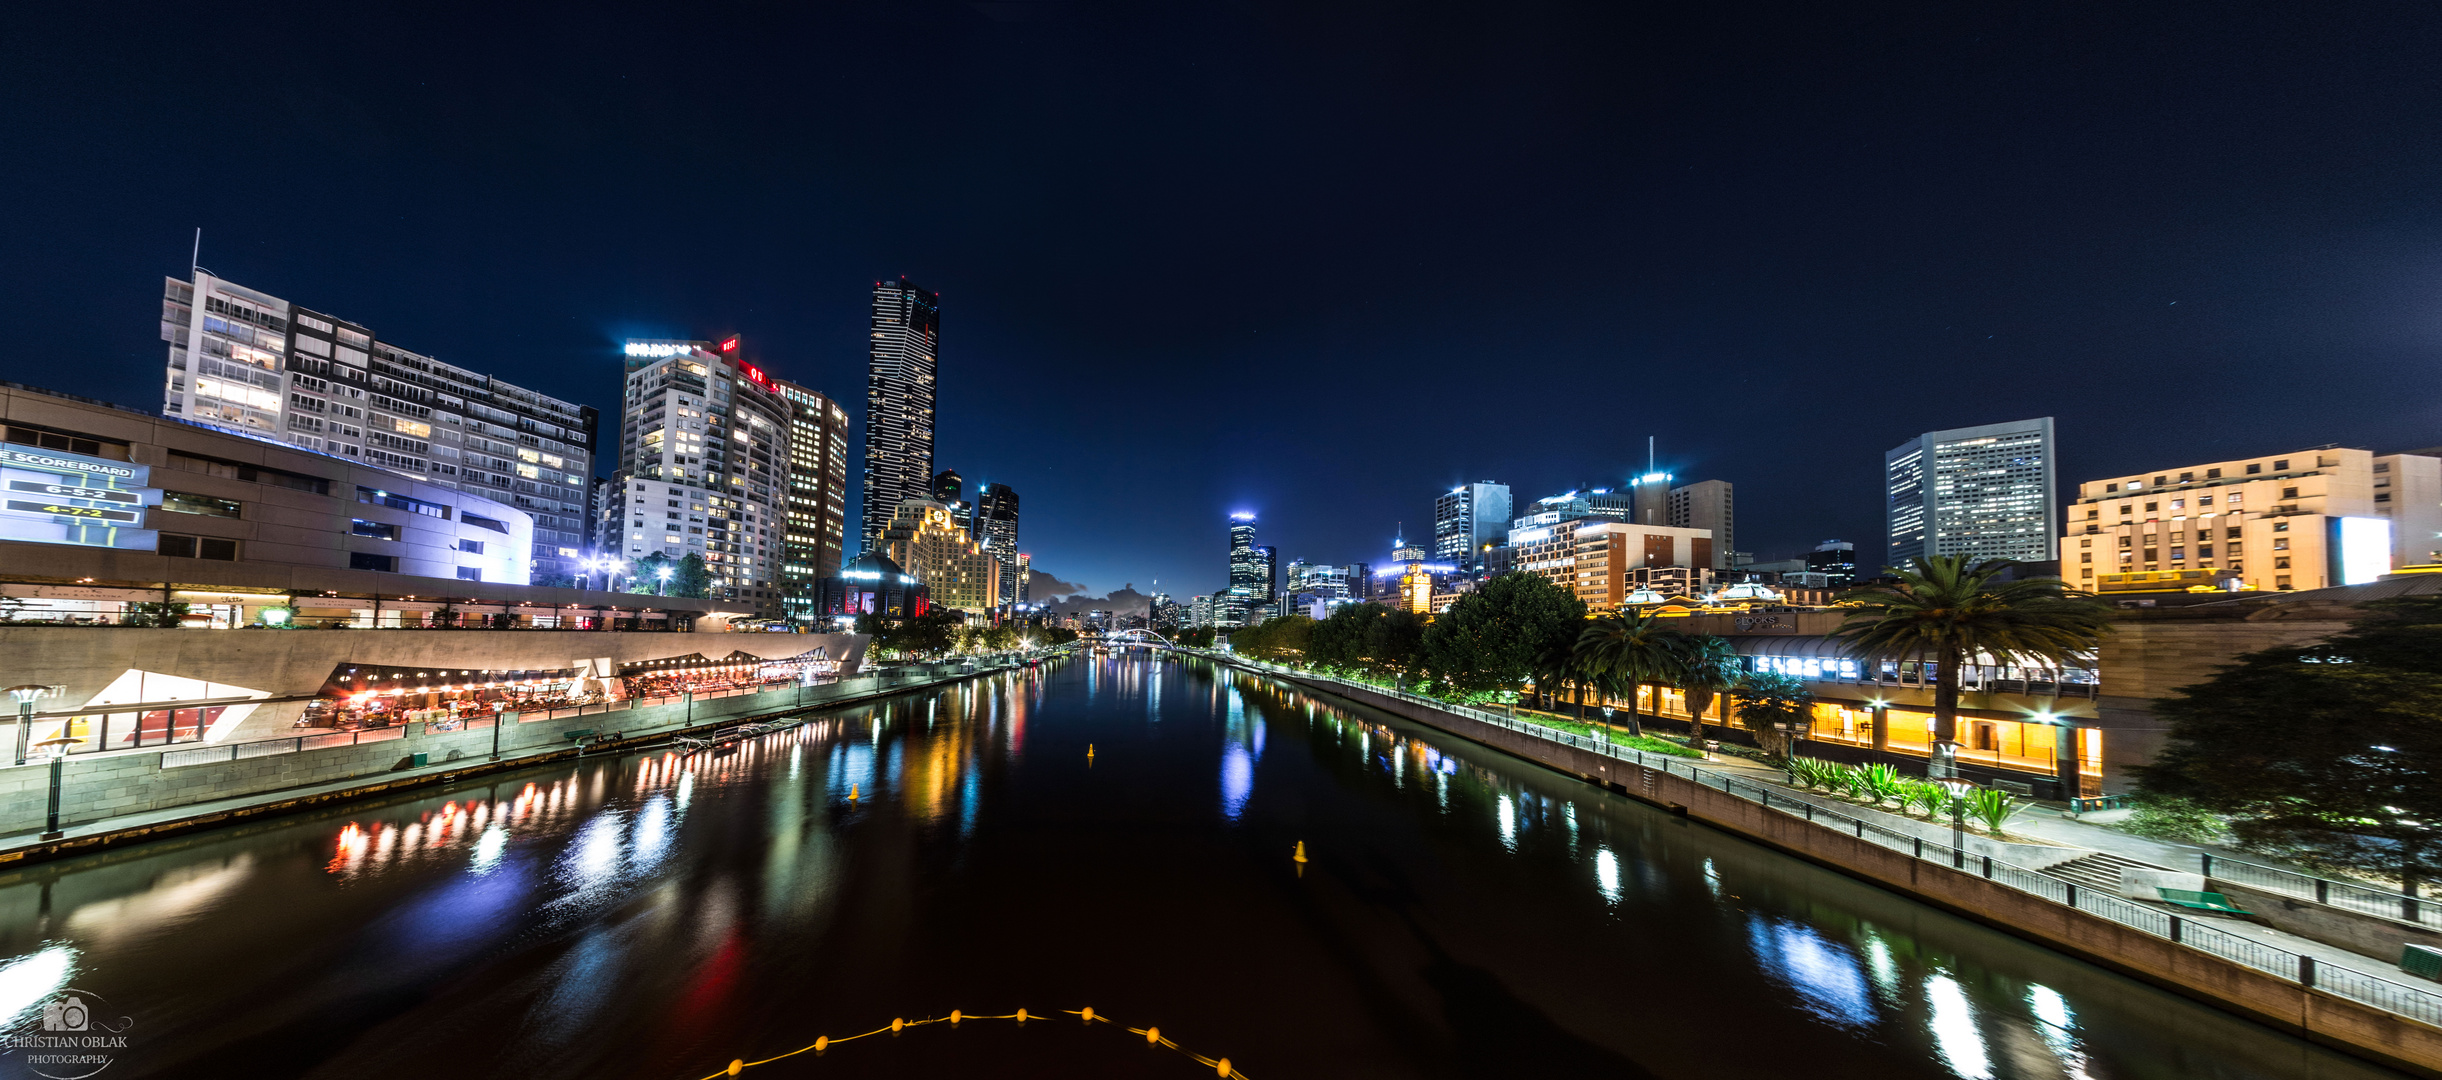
[818, 497]
[1706, 505]
[950, 490]
[1469, 517]
[252, 363]
[704, 465]
[899, 389]
[996, 528]
[1982, 492]
[1250, 574]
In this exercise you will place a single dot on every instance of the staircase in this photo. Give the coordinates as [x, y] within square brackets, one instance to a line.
[2100, 871]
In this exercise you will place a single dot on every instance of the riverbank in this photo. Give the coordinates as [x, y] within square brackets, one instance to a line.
[2341, 1007]
[447, 762]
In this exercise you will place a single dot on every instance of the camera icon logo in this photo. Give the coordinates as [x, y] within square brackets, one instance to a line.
[66, 1014]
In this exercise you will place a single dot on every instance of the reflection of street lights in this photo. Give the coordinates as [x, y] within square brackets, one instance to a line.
[26, 695]
[58, 748]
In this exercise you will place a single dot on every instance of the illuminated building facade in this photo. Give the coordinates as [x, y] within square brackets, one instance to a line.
[815, 534]
[956, 572]
[871, 584]
[2282, 522]
[248, 362]
[1251, 577]
[996, 529]
[899, 392]
[1469, 517]
[704, 466]
[1981, 492]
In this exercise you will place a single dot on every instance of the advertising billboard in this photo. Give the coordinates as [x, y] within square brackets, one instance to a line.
[53, 497]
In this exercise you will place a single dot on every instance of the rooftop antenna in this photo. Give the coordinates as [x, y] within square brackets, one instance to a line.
[1649, 461]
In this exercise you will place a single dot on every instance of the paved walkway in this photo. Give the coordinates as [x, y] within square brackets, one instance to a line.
[94, 836]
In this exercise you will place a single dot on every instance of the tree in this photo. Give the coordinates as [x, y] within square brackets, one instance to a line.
[1339, 641]
[155, 614]
[693, 578]
[1770, 704]
[2330, 753]
[649, 571]
[1943, 610]
[1498, 636]
[1277, 639]
[1708, 668]
[1395, 642]
[1623, 652]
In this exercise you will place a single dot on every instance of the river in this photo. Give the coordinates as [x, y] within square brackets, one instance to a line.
[1107, 832]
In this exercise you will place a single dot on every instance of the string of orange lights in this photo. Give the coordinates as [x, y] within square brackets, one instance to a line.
[1220, 1067]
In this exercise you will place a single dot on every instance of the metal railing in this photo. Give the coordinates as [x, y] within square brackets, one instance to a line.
[2308, 971]
[227, 752]
[2346, 895]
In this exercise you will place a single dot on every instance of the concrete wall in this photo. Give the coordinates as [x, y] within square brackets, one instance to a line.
[2323, 1018]
[297, 662]
[2369, 935]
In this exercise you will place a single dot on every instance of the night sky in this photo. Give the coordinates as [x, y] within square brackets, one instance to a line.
[1316, 261]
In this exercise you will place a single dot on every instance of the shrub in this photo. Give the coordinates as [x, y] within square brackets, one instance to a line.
[1993, 807]
[1882, 782]
[1925, 797]
[2163, 817]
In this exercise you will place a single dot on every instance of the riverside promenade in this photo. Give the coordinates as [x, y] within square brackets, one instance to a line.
[2326, 995]
[118, 799]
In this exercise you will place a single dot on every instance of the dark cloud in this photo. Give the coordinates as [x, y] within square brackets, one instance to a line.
[1124, 600]
[1042, 586]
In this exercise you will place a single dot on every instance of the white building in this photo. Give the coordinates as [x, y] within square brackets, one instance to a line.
[703, 466]
[251, 363]
[1982, 492]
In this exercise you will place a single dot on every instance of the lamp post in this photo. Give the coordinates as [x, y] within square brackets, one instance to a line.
[58, 748]
[1958, 789]
[26, 696]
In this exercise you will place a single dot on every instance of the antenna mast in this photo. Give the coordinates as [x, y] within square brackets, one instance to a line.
[195, 261]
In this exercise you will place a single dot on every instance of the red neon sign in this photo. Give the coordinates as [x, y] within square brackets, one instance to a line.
[730, 345]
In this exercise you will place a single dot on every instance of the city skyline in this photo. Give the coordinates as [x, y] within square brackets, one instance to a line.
[2043, 253]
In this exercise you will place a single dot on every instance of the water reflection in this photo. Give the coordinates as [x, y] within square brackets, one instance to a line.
[659, 914]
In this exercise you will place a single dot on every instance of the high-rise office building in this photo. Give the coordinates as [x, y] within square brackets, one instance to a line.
[1982, 492]
[1250, 574]
[899, 390]
[251, 363]
[996, 528]
[813, 545]
[1469, 517]
[704, 466]
[950, 490]
[1706, 505]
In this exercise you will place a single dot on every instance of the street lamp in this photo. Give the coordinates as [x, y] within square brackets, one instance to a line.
[58, 749]
[662, 589]
[26, 696]
[1958, 788]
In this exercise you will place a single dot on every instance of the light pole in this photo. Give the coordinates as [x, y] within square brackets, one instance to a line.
[26, 696]
[1958, 817]
[58, 748]
[662, 589]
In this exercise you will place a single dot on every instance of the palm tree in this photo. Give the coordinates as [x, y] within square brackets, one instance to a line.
[1622, 652]
[1708, 668]
[1951, 613]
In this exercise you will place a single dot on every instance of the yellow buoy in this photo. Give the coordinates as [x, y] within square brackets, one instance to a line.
[1021, 1016]
[1153, 1034]
[736, 1066]
[954, 1017]
[896, 1023]
[852, 793]
[1088, 1013]
[1301, 852]
[1221, 1067]
[821, 1043]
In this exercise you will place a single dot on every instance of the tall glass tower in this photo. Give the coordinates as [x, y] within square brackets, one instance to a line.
[899, 389]
[1982, 492]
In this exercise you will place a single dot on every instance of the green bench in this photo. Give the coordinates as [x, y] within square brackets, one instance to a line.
[2202, 901]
